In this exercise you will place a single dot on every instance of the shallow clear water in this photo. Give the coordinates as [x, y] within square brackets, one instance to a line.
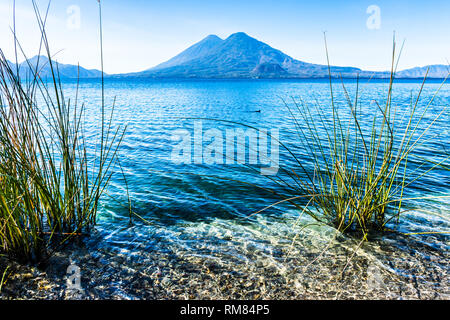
[196, 240]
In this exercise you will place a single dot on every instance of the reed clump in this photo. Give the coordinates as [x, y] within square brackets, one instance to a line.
[357, 175]
[50, 181]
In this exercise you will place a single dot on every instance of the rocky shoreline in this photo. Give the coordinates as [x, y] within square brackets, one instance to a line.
[249, 273]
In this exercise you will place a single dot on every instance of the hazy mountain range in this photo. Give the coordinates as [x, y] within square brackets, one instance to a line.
[41, 64]
[241, 56]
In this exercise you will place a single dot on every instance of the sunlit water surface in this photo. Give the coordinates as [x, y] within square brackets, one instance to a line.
[190, 235]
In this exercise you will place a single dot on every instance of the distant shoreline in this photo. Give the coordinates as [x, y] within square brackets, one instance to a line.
[297, 79]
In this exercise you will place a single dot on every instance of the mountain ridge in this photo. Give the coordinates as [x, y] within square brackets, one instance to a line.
[241, 56]
[41, 63]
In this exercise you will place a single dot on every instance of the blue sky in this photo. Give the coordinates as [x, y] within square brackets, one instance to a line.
[139, 34]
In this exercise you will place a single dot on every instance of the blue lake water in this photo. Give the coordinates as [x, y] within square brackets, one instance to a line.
[191, 236]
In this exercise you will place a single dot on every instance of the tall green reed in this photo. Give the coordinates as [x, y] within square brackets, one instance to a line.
[50, 181]
[3, 278]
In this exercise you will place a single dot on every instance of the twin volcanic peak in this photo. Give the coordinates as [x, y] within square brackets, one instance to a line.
[237, 57]
[241, 56]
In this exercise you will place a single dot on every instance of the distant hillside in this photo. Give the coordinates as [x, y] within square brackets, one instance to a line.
[66, 71]
[237, 57]
[198, 50]
[241, 56]
[434, 71]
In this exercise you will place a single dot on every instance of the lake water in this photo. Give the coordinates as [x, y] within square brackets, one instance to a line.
[191, 236]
